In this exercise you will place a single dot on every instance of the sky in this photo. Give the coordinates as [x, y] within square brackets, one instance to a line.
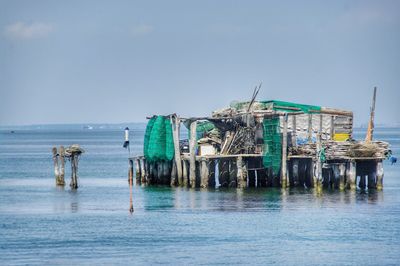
[120, 61]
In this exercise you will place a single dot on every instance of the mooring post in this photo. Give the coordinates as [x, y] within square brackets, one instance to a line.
[174, 176]
[61, 180]
[56, 168]
[74, 170]
[295, 172]
[342, 169]
[143, 172]
[352, 175]
[318, 179]
[284, 153]
[175, 123]
[130, 171]
[379, 174]
[241, 172]
[192, 150]
[184, 173]
[204, 173]
[137, 171]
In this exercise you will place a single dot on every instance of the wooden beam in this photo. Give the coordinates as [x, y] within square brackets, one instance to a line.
[175, 123]
[192, 150]
[284, 153]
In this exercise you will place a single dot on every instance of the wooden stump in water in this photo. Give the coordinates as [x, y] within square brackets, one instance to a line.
[74, 171]
[379, 176]
[61, 180]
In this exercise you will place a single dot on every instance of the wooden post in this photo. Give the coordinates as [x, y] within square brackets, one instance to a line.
[174, 179]
[192, 150]
[130, 170]
[370, 130]
[379, 175]
[295, 171]
[294, 131]
[61, 180]
[309, 130]
[204, 173]
[137, 171]
[56, 167]
[342, 169]
[318, 184]
[372, 176]
[352, 175]
[74, 171]
[320, 125]
[216, 173]
[185, 173]
[175, 123]
[332, 129]
[241, 172]
[284, 153]
[143, 172]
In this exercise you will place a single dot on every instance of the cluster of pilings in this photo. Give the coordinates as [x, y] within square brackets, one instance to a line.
[244, 171]
[72, 153]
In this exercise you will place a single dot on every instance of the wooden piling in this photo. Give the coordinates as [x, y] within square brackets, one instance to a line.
[372, 176]
[241, 172]
[130, 172]
[143, 172]
[184, 173]
[295, 172]
[56, 167]
[309, 129]
[332, 127]
[175, 123]
[74, 171]
[294, 131]
[342, 170]
[61, 180]
[137, 171]
[204, 174]
[351, 177]
[379, 175]
[284, 153]
[174, 176]
[192, 150]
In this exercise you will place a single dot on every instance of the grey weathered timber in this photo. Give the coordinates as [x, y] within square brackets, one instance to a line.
[352, 175]
[74, 171]
[379, 175]
[192, 150]
[309, 128]
[295, 172]
[184, 173]
[294, 131]
[284, 154]
[137, 171]
[204, 173]
[241, 172]
[175, 123]
[174, 176]
[130, 171]
[342, 170]
[56, 166]
[332, 128]
[61, 180]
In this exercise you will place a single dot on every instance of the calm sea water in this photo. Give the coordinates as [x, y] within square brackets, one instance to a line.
[42, 224]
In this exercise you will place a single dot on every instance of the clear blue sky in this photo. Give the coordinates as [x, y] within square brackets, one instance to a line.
[119, 61]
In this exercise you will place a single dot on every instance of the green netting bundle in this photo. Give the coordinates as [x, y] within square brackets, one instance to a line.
[156, 148]
[149, 127]
[272, 145]
[204, 127]
[169, 141]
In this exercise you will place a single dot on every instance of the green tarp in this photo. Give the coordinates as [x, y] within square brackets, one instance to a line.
[158, 140]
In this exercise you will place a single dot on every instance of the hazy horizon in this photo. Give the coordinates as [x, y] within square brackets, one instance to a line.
[110, 62]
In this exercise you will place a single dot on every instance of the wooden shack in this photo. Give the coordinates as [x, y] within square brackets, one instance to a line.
[264, 144]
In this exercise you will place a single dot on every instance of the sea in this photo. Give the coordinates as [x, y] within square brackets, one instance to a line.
[42, 224]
